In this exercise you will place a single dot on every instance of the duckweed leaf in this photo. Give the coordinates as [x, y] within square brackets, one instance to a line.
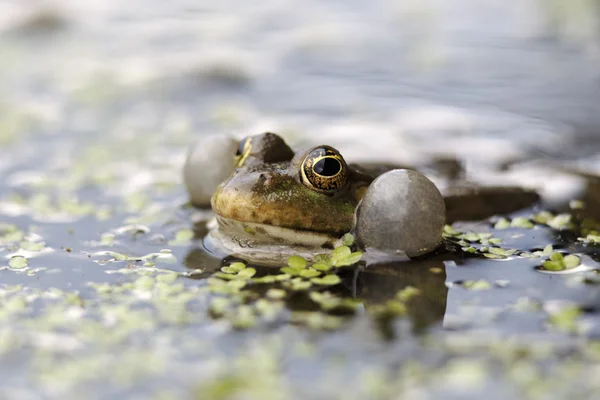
[449, 231]
[290, 271]
[528, 254]
[236, 284]
[351, 259]
[471, 237]
[407, 293]
[571, 261]
[18, 262]
[182, 237]
[296, 262]
[502, 252]
[348, 239]
[32, 246]
[502, 223]
[265, 279]
[494, 256]
[553, 265]
[282, 277]
[118, 256]
[591, 238]
[339, 254]
[576, 205]
[165, 256]
[318, 320]
[219, 286]
[310, 273]
[243, 318]
[566, 319]
[167, 278]
[247, 272]
[144, 283]
[327, 280]
[542, 217]
[545, 252]
[329, 302]
[268, 309]
[225, 275]
[393, 308]
[234, 268]
[12, 237]
[322, 267]
[521, 222]
[477, 285]
[237, 266]
[323, 259]
[561, 221]
[107, 239]
[219, 305]
[298, 284]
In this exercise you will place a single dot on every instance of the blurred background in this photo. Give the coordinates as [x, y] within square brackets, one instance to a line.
[525, 77]
[491, 83]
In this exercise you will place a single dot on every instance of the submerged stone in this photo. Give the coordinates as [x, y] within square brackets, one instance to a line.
[401, 211]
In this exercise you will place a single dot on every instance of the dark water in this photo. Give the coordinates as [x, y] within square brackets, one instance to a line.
[99, 102]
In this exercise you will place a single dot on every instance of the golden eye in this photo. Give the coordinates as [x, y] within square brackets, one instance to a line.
[324, 170]
[243, 151]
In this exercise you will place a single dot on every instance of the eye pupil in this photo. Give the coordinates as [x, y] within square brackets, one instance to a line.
[327, 167]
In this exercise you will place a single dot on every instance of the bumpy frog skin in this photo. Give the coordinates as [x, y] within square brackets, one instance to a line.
[278, 200]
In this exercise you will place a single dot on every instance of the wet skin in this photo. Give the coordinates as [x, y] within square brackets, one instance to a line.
[311, 190]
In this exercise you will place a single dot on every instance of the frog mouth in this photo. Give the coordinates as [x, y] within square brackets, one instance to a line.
[257, 233]
[265, 244]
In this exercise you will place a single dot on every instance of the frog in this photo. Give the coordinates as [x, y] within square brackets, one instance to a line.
[278, 202]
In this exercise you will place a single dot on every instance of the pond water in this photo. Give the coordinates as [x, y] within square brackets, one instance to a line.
[106, 289]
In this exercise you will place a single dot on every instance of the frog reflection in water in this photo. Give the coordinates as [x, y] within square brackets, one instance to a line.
[279, 203]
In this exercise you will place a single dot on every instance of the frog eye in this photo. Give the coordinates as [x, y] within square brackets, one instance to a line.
[243, 151]
[324, 170]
